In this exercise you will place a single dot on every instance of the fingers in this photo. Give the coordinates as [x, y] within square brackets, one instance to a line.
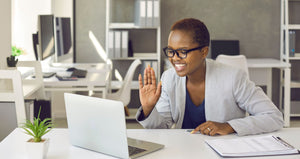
[153, 78]
[149, 74]
[207, 128]
[140, 81]
[158, 89]
[145, 76]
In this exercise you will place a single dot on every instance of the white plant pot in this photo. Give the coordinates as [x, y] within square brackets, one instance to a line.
[37, 150]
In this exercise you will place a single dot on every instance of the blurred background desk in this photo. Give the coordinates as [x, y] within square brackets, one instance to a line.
[97, 78]
[260, 72]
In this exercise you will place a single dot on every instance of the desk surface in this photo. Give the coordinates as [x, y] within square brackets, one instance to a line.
[98, 75]
[178, 144]
[266, 63]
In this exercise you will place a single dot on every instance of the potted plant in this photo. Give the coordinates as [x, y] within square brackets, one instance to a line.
[37, 147]
[12, 60]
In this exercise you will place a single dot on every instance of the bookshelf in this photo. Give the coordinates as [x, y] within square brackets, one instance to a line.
[290, 47]
[141, 20]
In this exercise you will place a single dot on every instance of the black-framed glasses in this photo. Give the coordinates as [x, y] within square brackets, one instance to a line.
[181, 53]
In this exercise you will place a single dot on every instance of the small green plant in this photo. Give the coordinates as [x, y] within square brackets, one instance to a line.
[12, 59]
[38, 128]
[16, 51]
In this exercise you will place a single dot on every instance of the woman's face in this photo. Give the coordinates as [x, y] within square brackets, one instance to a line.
[194, 60]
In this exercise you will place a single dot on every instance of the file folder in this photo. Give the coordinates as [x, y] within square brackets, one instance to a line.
[124, 44]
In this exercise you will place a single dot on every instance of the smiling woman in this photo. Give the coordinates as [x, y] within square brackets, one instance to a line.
[203, 94]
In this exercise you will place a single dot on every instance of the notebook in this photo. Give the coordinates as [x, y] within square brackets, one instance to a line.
[99, 124]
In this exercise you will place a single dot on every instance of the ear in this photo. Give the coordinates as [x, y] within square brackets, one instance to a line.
[205, 51]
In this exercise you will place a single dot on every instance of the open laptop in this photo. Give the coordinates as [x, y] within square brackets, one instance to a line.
[99, 124]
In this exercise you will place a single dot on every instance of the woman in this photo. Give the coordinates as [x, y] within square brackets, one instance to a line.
[202, 94]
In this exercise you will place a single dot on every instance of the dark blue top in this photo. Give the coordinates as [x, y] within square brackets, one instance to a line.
[193, 115]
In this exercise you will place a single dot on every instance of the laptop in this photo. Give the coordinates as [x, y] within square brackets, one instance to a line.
[99, 124]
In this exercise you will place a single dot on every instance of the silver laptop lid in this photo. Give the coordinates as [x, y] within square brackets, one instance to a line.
[97, 124]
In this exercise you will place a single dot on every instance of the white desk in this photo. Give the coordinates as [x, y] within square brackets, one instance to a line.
[95, 80]
[260, 72]
[178, 143]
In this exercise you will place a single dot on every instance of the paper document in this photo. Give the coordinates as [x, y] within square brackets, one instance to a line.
[251, 146]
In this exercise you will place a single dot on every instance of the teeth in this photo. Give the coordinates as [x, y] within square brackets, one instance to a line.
[179, 65]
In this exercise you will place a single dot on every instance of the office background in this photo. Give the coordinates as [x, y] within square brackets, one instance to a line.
[256, 23]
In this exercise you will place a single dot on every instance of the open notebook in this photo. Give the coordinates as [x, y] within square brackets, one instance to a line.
[251, 146]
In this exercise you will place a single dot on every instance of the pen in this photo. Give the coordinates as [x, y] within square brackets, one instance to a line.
[192, 131]
[284, 142]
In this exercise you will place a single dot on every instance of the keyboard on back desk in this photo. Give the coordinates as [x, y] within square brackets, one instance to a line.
[79, 73]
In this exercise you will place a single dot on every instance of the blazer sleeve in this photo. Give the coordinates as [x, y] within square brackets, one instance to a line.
[263, 114]
[161, 116]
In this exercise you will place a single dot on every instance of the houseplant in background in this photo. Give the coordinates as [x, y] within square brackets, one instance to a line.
[12, 59]
[37, 147]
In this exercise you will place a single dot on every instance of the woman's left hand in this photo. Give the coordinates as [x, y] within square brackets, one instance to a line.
[214, 128]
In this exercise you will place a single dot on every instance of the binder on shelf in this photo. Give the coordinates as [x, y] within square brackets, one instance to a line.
[124, 44]
[155, 18]
[149, 13]
[140, 13]
[292, 42]
[111, 44]
[117, 44]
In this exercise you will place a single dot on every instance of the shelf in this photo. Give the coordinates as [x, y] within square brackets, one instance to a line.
[133, 58]
[127, 26]
[294, 26]
[295, 108]
[296, 57]
[141, 56]
[295, 84]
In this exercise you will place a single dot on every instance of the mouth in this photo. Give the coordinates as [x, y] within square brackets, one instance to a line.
[179, 67]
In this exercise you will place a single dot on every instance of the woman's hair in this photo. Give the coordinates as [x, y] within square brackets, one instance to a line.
[194, 26]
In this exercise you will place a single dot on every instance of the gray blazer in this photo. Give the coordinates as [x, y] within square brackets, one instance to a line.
[228, 95]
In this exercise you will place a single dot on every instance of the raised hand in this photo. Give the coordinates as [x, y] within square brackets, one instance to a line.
[149, 92]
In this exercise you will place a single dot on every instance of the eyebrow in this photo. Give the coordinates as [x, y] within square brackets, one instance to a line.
[178, 48]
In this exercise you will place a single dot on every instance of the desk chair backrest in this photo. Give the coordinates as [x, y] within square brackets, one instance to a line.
[14, 93]
[124, 92]
[38, 80]
[239, 61]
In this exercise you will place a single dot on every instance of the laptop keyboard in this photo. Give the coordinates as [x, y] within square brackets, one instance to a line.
[134, 150]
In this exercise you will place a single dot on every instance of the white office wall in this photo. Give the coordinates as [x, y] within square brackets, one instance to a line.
[62, 8]
[24, 23]
[5, 31]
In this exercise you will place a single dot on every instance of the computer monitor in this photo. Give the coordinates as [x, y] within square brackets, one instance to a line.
[226, 47]
[46, 40]
[63, 36]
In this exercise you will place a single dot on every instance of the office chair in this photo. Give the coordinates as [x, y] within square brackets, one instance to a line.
[12, 102]
[239, 61]
[124, 93]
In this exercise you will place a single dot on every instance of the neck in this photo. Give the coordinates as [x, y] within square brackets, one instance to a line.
[198, 76]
